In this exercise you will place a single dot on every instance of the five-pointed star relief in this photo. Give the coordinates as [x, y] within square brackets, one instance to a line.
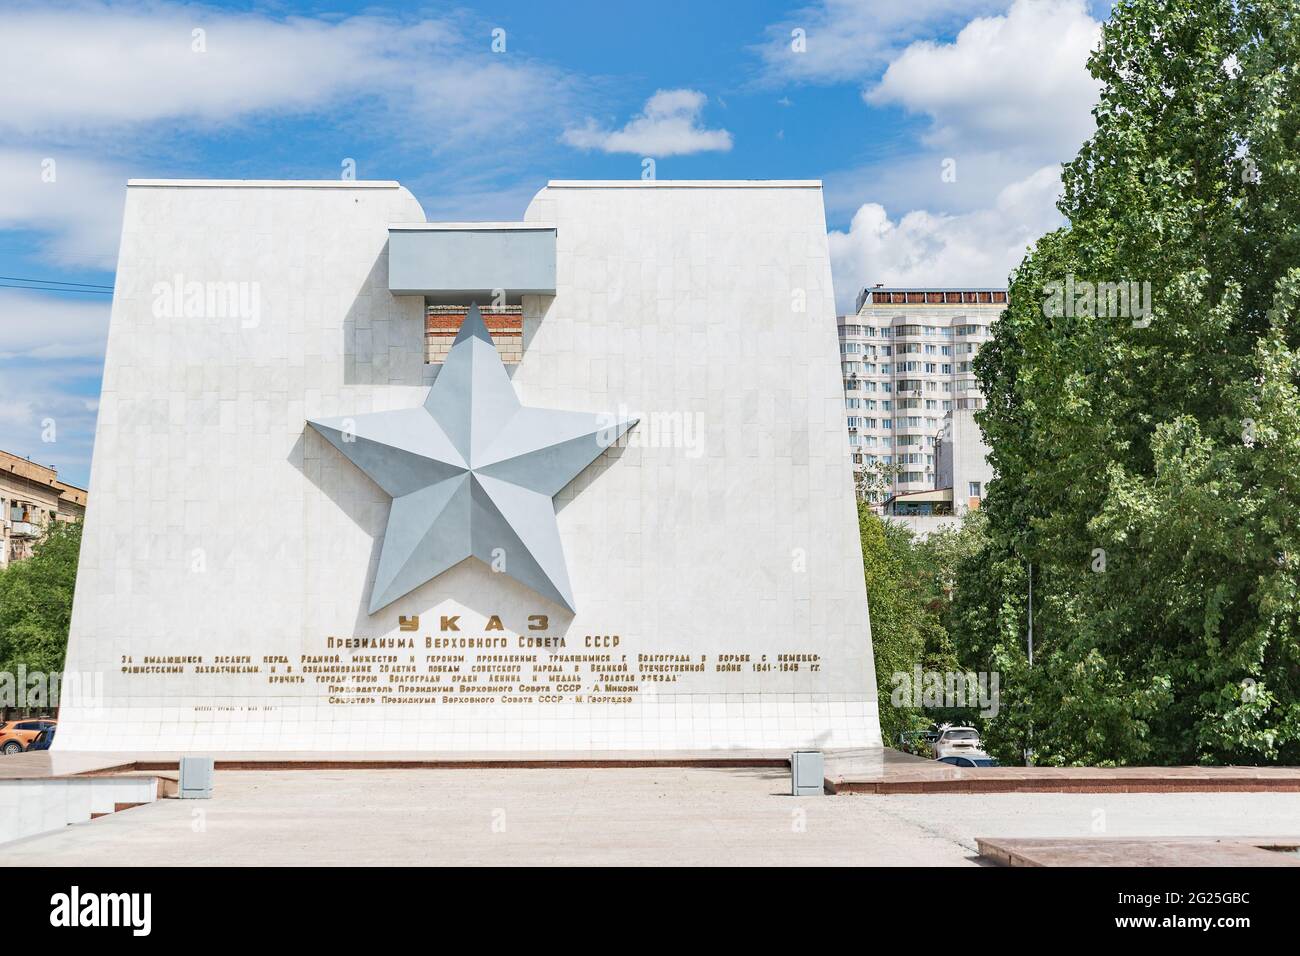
[472, 473]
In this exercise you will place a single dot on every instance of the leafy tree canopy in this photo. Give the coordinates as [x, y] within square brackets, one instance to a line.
[36, 602]
[1149, 461]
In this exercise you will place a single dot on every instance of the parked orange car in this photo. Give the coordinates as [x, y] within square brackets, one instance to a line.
[15, 735]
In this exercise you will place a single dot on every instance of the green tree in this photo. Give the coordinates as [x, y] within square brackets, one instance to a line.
[898, 623]
[36, 602]
[1149, 463]
[910, 587]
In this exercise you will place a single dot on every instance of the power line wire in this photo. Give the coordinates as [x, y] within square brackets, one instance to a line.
[36, 288]
[88, 285]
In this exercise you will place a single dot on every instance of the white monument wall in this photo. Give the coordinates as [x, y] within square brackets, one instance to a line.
[220, 527]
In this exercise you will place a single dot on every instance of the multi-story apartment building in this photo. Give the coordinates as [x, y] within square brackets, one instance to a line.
[906, 359]
[31, 496]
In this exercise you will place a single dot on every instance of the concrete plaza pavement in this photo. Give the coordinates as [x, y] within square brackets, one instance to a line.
[572, 816]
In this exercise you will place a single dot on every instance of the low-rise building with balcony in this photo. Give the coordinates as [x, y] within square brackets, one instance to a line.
[31, 497]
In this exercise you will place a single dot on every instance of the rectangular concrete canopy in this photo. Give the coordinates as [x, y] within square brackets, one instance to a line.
[463, 262]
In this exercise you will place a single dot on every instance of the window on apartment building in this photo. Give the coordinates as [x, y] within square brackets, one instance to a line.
[974, 490]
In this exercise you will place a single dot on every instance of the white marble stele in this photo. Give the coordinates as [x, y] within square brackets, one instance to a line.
[229, 550]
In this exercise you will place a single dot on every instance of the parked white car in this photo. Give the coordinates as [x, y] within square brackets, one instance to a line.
[957, 741]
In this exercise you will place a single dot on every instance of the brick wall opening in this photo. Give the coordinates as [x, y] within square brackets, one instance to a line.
[505, 324]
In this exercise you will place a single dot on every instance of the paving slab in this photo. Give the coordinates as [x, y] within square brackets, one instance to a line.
[1102, 851]
[885, 771]
[582, 816]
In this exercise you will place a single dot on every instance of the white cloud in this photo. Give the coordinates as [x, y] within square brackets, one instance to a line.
[930, 179]
[79, 210]
[90, 67]
[1008, 100]
[668, 126]
[45, 325]
[93, 86]
[53, 426]
[1019, 80]
[51, 359]
[853, 39]
[15, 412]
[978, 248]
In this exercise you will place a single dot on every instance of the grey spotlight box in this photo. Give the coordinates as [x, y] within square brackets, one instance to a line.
[196, 778]
[807, 773]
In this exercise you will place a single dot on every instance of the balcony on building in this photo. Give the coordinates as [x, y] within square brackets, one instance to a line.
[935, 502]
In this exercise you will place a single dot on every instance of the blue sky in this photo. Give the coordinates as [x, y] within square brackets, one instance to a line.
[938, 127]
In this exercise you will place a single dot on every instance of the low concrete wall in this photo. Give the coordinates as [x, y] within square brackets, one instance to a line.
[31, 806]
